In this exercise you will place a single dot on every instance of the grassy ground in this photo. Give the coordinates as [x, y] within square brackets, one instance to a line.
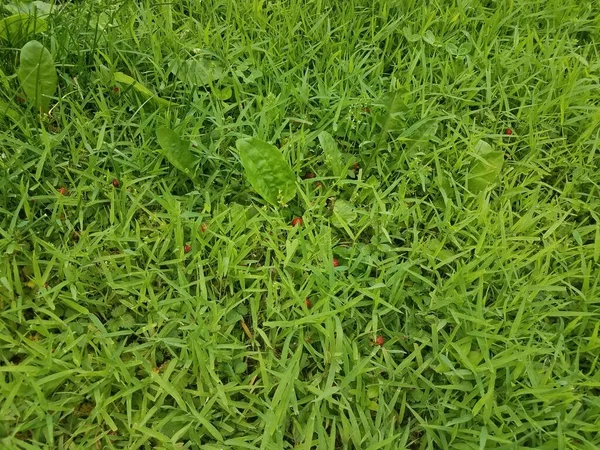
[159, 311]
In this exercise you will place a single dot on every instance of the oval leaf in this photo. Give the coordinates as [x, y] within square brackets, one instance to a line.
[122, 78]
[199, 72]
[36, 8]
[176, 150]
[486, 169]
[344, 214]
[394, 107]
[267, 170]
[37, 74]
[333, 157]
[18, 28]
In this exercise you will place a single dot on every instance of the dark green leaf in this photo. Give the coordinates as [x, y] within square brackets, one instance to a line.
[176, 150]
[267, 170]
[333, 157]
[486, 169]
[37, 75]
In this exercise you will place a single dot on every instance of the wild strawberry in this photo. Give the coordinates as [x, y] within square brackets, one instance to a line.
[297, 221]
[380, 340]
[508, 132]
[308, 303]
[62, 190]
[115, 182]
[187, 248]
[203, 227]
[336, 263]
[116, 89]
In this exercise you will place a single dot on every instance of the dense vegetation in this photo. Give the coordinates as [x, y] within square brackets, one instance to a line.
[305, 224]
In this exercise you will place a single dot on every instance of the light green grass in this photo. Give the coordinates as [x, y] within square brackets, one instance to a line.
[111, 336]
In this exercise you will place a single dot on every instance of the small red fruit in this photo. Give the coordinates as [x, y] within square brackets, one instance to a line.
[508, 132]
[115, 182]
[62, 190]
[355, 166]
[297, 221]
[309, 175]
[308, 303]
[203, 227]
[367, 110]
[116, 89]
[336, 263]
[380, 340]
[187, 248]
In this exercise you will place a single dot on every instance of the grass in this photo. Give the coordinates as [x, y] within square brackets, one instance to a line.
[113, 336]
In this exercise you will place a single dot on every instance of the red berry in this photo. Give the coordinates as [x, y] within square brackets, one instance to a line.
[379, 340]
[62, 190]
[115, 182]
[367, 110]
[297, 221]
[203, 227]
[335, 262]
[187, 248]
[508, 132]
[355, 166]
[308, 303]
[116, 89]
[309, 175]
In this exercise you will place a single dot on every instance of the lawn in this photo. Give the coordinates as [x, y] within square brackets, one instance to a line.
[307, 224]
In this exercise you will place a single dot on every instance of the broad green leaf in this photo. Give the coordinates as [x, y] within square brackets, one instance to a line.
[420, 135]
[36, 8]
[223, 94]
[344, 214]
[120, 77]
[7, 110]
[37, 75]
[390, 121]
[486, 169]
[18, 28]
[267, 170]
[101, 22]
[176, 150]
[199, 71]
[333, 157]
